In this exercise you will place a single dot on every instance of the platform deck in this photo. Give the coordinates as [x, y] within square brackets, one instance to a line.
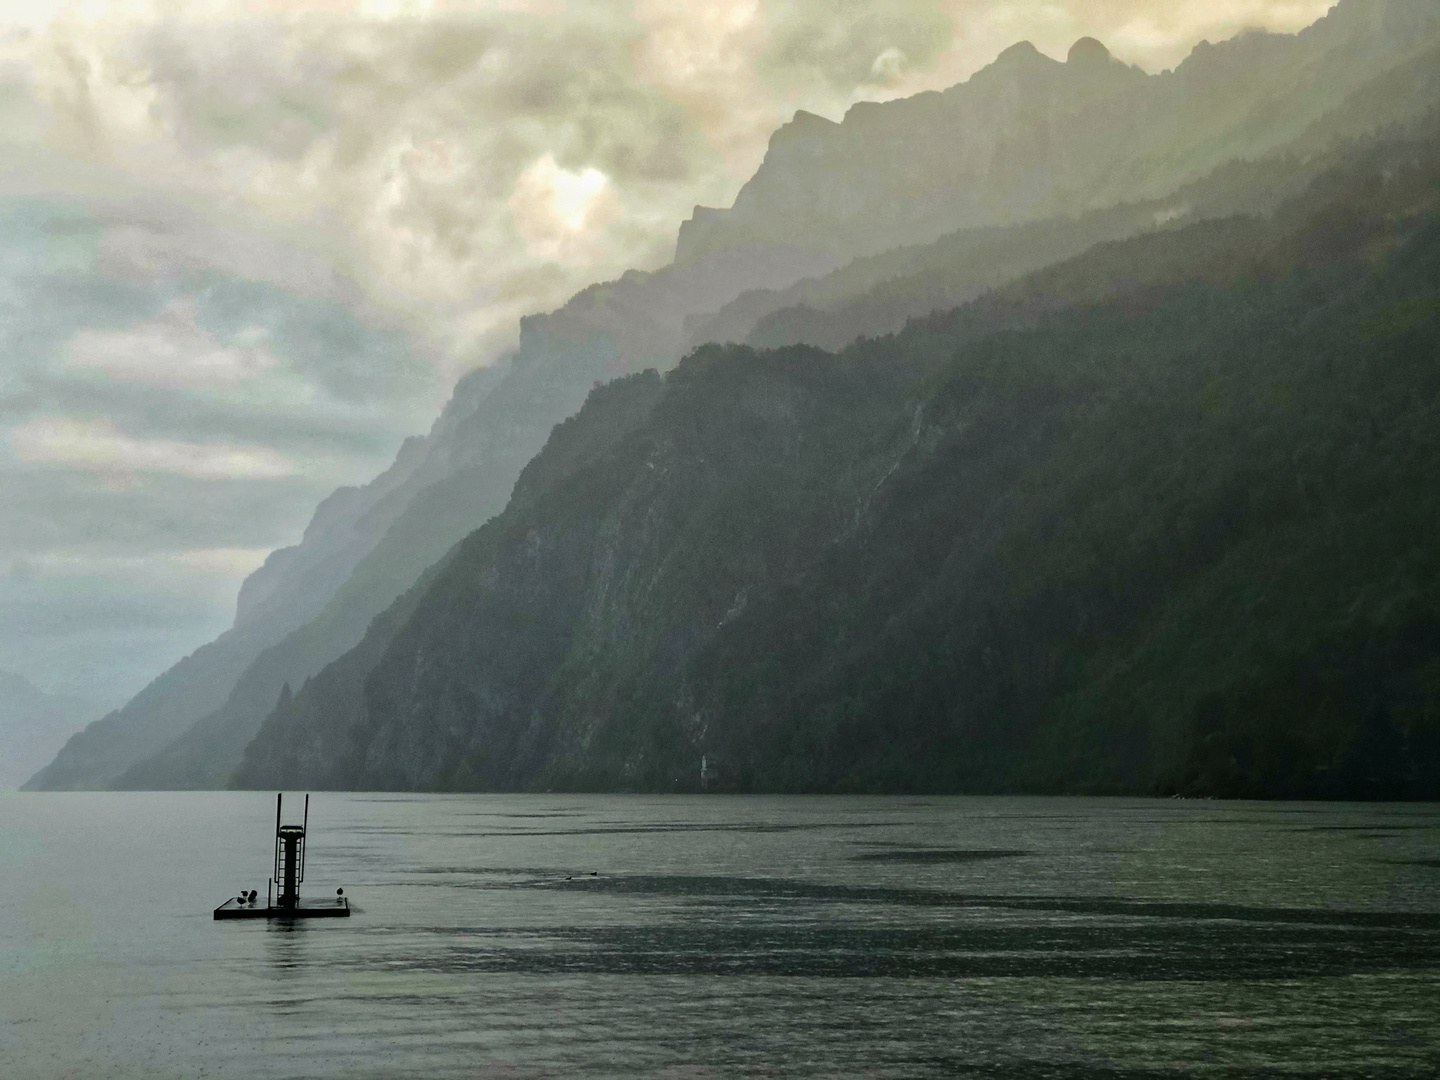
[337, 907]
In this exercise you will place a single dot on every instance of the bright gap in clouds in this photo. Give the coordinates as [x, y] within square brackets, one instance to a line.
[560, 213]
[99, 446]
[171, 352]
[171, 566]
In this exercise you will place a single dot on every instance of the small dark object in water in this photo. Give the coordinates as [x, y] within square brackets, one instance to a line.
[339, 892]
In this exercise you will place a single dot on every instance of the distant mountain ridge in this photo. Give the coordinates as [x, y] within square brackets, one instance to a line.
[289, 590]
[33, 725]
[809, 209]
[877, 294]
[1029, 137]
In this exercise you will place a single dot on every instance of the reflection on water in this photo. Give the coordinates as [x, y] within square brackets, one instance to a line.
[285, 946]
[621, 936]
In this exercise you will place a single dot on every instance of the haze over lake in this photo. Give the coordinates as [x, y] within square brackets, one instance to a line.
[724, 936]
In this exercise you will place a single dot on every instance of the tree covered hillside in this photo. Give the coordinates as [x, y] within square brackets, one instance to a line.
[1159, 519]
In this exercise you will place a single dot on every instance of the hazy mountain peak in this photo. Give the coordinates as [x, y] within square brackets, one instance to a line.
[1029, 136]
[16, 684]
[807, 135]
[803, 123]
[1022, 52]
[1088, 52]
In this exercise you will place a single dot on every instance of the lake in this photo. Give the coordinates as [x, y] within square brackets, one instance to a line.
[599, 936]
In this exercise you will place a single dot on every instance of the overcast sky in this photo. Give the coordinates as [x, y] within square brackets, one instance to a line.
[246, 247]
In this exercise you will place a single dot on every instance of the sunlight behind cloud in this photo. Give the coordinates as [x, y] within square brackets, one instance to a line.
[561, 213]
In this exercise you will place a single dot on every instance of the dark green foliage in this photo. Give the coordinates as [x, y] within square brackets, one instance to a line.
[1159, 519]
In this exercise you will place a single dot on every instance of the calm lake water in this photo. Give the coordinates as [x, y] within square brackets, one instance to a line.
[517, 936]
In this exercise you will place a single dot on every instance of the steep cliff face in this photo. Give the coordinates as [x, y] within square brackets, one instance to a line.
[311, 602]
[964, 558]
[1029, 137]
[315, 718]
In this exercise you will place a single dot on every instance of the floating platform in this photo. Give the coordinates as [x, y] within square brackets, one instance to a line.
[288, 873]
[330, 908]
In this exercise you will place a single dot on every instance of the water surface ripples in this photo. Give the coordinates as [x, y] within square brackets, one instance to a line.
[596, 936]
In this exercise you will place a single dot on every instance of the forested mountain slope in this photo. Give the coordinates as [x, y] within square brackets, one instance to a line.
[1158, 519]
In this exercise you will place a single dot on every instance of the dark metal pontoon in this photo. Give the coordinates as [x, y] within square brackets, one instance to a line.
[287, 874]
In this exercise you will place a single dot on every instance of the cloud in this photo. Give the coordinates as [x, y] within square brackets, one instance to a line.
[149, 242]
[162, 566]
[229, 562]
[703, 59]
[99, 446]
[842, 44]
[170, 352]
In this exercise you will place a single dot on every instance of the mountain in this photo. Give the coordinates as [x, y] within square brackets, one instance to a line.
[1023, 139]
[33, 726]
[1157, 519]
[1030, 137]
[876, 295]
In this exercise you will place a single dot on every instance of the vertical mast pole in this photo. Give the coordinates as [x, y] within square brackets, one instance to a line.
[304, 836]
[279, 797]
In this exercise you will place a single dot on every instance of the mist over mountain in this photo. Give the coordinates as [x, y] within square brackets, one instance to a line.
[1154, 520]
[1031, 160]
[34, 725]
